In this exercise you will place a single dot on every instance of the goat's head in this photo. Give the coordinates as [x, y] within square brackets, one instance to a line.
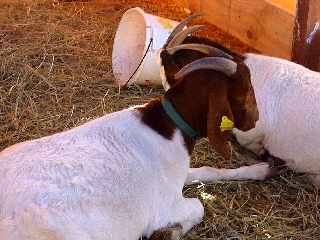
[214, 87]
[219, 75]
[181, 49]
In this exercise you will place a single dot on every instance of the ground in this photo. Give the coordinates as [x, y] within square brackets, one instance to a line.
[55, 73]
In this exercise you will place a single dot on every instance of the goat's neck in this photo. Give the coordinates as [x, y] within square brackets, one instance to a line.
[191, 102]
[154, 116]
[191, 110]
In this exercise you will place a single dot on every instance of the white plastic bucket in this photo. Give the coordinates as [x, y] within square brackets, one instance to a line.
[131, 42]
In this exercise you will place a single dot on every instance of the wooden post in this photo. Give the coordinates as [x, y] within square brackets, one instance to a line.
[313, 49]
[306, 42]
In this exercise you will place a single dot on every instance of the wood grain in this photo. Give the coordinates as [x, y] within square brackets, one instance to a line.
[266, 25]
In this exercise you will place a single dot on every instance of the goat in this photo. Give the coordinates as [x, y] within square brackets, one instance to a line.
[287, 96]
[180, 50]
[289, 104]
[120, 177]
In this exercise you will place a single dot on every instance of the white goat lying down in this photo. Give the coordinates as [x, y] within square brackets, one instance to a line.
[288, 101]
[287, 95]
[121, 176]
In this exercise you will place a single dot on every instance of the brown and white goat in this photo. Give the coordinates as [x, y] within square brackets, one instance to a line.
[287, 96]
[120, 177]
[181, 50]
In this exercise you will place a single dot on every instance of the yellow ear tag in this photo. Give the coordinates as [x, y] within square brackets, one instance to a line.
[226, 124]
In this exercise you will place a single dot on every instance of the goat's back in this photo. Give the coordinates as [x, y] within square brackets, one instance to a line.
[97, 180]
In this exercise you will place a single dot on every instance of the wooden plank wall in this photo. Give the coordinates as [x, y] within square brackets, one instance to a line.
[266, 25]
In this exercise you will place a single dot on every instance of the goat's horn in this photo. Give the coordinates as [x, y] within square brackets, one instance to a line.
[223, 65]
[179, 37]
[205, 49]
[180, 26]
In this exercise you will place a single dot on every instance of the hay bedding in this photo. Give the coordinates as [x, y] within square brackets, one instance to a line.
[55, 73]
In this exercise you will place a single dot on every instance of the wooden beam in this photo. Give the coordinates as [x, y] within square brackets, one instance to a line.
[306, 35]
[265, 25]
[193, 5]
[313, 49]
[313, 39]
[299, 47]
[314, 14]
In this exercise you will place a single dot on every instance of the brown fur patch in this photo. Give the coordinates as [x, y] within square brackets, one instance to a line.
[168, 233]
[154, 116]
[242, 98]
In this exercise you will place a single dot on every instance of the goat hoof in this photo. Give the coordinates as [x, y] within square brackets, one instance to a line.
[266, 170]
[168, 233]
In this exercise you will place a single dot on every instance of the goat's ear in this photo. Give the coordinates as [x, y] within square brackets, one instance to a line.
[170, 68]
[218, 107]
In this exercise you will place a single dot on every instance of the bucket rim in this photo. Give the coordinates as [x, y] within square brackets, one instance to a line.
[148, 36]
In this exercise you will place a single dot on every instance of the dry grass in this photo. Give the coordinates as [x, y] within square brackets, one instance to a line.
[55, 73]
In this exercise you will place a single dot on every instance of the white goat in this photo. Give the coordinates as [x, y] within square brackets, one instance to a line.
[287, 95]
[107, 179]
[288, 101]
[121, 176]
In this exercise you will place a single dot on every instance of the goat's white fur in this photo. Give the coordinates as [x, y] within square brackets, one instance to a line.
[107, 179]
[288, 100]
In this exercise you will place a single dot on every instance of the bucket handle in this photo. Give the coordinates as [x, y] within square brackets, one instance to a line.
[141, 61]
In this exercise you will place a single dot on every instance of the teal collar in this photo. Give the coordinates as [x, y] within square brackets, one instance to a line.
[178, 120]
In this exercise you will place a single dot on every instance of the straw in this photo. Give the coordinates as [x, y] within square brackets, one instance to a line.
[55, 73]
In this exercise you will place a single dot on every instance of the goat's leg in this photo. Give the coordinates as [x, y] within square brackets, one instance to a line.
[168, 233]
[260, 171]
[252, 139]
[187, 212]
